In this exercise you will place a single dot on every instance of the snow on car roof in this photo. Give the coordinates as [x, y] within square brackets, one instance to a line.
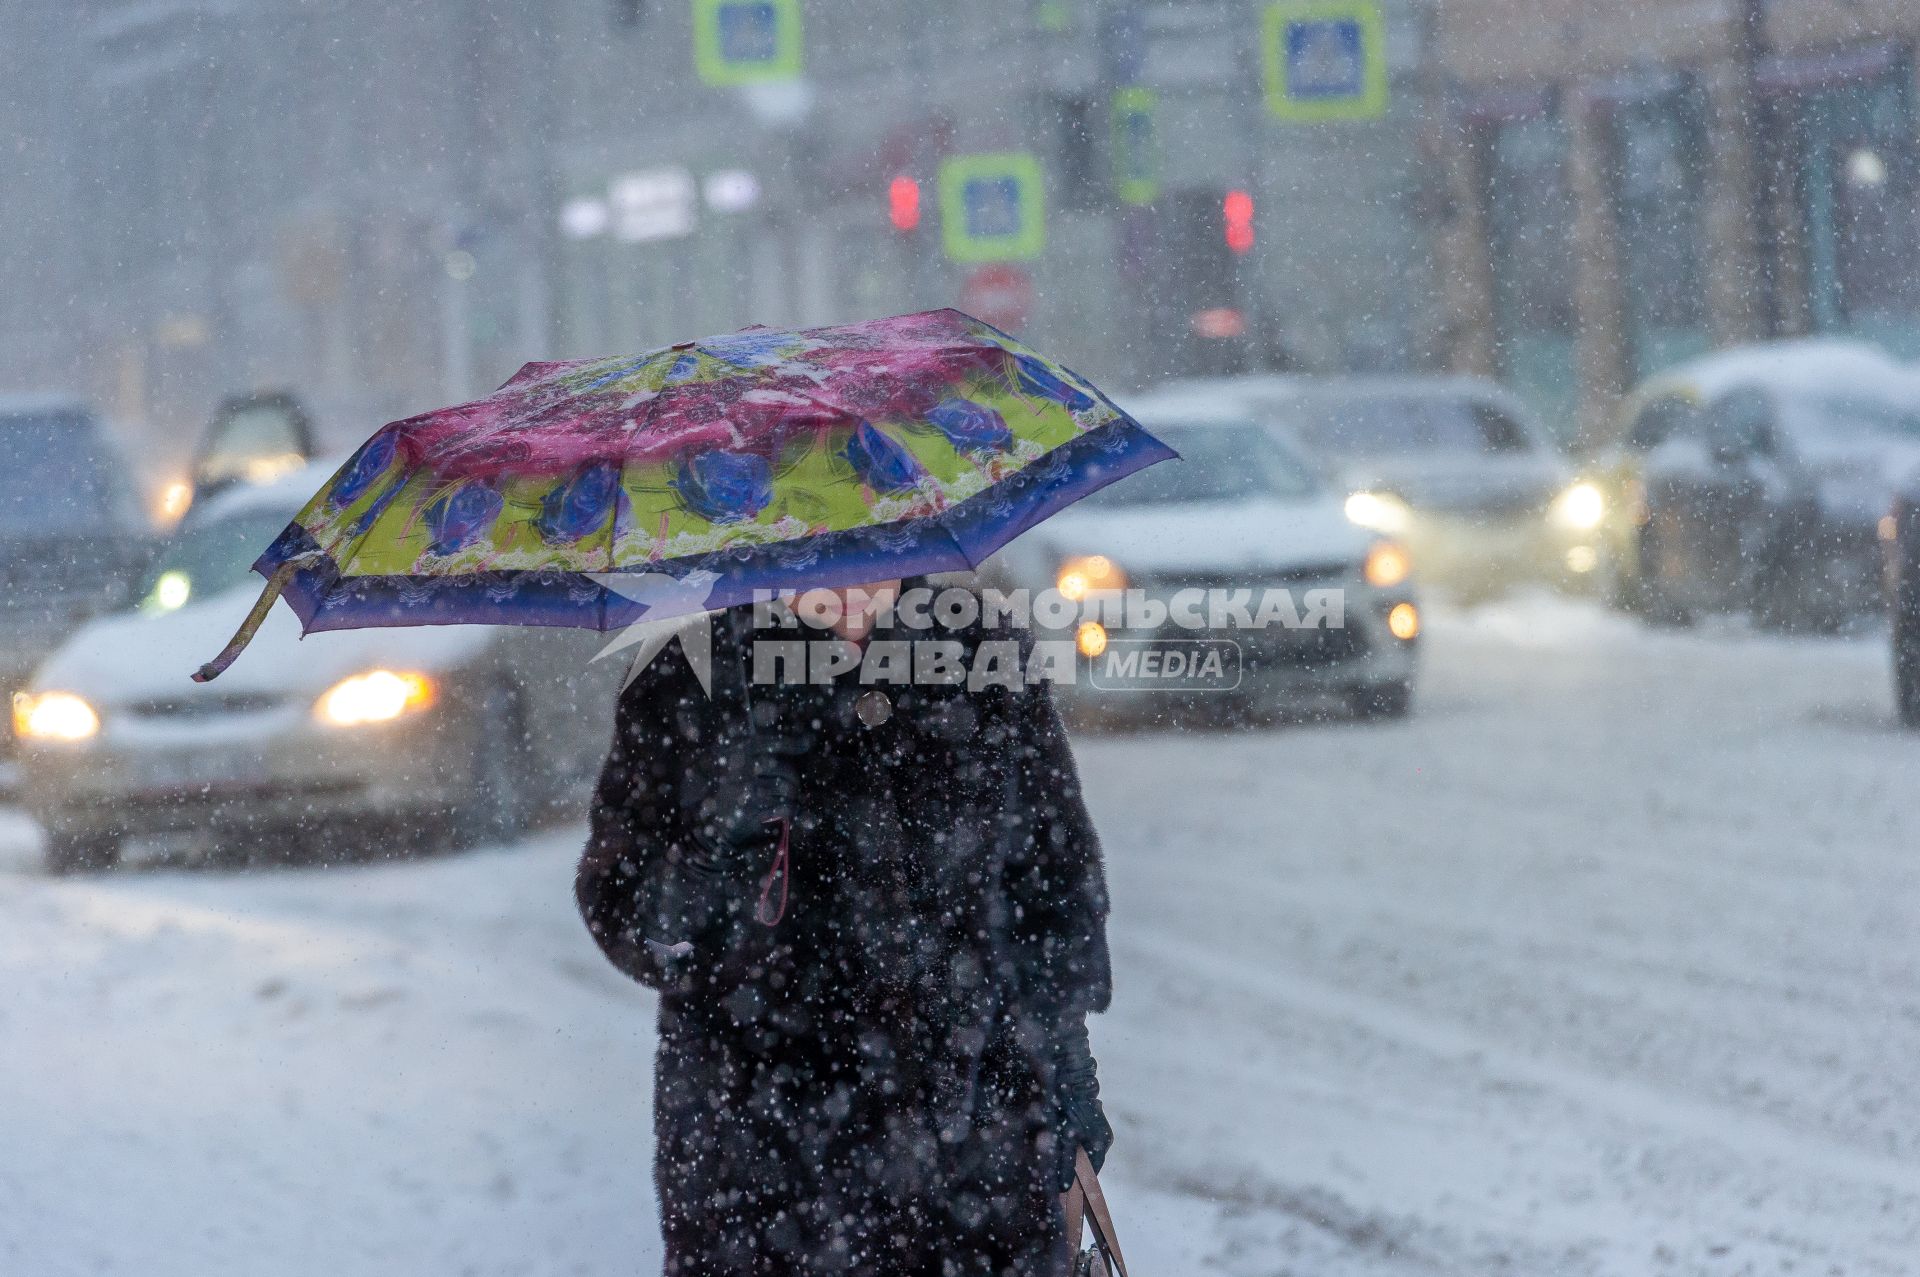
[34, 403]
[1188, 407]
[1816, 365]
[1276, 386]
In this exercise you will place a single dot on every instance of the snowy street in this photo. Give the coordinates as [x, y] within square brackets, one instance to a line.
[1606, 962]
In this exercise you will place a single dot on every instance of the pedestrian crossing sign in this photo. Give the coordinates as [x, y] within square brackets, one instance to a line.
[992, 207]
[746, 41]
[1325, 60]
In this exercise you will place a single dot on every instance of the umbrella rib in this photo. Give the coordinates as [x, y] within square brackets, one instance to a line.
[343, 552]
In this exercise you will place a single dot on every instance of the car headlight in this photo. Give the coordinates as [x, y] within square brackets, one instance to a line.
[377, 696]
[1381, 511]
[171, 590]
[60, 716]
[172, 502]
[1387, 564]
[1079, 577]
[1580, 507]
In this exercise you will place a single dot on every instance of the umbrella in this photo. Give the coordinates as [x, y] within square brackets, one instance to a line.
[761, 460]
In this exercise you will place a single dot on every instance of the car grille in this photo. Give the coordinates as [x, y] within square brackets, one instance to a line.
[1306, 575]
[207, 706]
[1483, 505]
[189, 808]
[1313, 648]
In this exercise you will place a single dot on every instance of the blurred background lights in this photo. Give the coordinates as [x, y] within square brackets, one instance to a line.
[731, 191]
[1866, 168]
[585, 218]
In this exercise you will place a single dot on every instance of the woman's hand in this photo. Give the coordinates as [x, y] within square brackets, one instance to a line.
[1083, 1122]
[756, 781]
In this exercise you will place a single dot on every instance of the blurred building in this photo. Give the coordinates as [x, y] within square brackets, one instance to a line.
[693, 208]
[339, 199]
[1635, 181]
[383, 207]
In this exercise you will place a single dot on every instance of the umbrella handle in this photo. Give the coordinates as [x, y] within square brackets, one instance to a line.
[244, 635]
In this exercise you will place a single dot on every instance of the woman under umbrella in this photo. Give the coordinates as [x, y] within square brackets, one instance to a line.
[873, 1043]
[877, 927]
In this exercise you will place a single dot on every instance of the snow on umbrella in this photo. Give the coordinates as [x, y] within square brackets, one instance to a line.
[761, 460]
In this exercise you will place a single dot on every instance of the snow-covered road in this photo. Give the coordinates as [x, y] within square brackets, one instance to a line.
[1607, 962]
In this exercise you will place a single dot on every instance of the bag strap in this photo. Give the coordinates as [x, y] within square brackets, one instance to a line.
[1084, 1203]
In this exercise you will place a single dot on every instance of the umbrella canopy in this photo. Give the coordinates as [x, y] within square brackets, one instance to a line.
[759, 460]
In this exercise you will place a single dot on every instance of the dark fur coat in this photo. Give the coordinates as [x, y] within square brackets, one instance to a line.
[865, 1088]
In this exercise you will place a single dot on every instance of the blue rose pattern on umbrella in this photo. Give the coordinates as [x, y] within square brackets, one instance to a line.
[880, 461]
[579, 507]
[367, 465]
[375, 510]
[1034, 378]
[725, 487]
[970, 426]
[459, 518]
[749, 349]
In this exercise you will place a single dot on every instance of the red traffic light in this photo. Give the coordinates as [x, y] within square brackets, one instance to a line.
[903, 203]
[1236, 212]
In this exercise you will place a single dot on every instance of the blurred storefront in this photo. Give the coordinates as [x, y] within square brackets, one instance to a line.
[1635, 184]
[383, 209]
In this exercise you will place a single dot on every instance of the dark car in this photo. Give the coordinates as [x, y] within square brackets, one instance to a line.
[1900, 531]
[72, 538]
[1765, 496]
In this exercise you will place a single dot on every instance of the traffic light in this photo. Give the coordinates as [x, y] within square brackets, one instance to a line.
[903, 203]
[1236, 212]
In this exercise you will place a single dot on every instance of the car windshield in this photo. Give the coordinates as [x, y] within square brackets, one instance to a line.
[1385, 425]
[254, 442]
[210, 557]
[1848, 418]
[1226, 462]
[58, 479]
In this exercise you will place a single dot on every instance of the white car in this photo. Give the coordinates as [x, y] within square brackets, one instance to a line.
[1456, 468]
[1239, 522]
[391, 738]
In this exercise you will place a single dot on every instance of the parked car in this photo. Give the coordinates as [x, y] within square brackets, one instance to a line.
[400, 737]
[1900, 536]
[72, 535]
[1753, 481]
[1456, 468]
[1238, 512]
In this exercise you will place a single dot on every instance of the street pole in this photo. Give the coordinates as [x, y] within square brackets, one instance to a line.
[542, 282]
[1750, 50]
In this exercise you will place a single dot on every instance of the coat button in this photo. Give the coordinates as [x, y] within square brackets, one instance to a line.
[873, 707]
